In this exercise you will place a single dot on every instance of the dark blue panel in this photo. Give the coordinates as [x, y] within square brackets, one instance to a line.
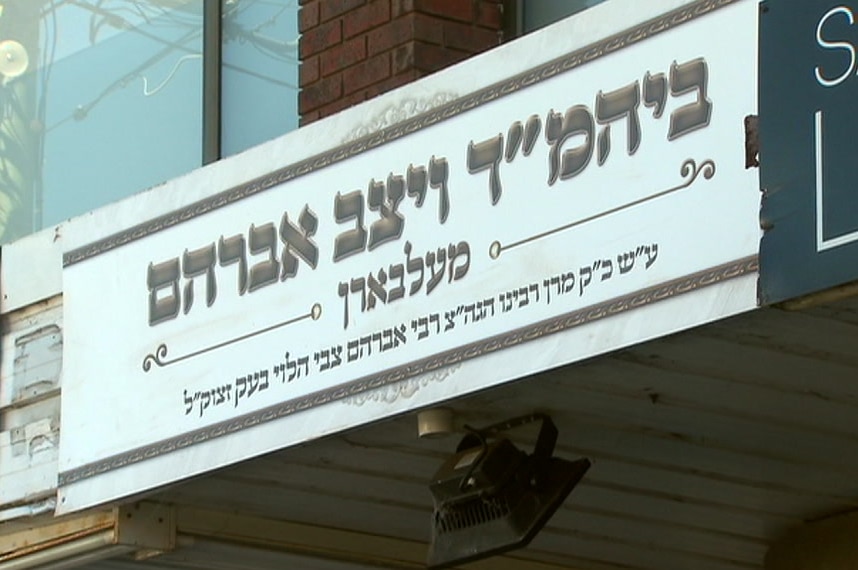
[808, 94]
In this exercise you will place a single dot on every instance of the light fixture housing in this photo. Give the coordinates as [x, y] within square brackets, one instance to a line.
[14, 59]
[491, 497]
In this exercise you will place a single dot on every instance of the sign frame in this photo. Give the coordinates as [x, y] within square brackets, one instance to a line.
[737, 263]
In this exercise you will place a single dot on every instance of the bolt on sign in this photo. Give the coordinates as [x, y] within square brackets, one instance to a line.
[583, 188]
[808, 88]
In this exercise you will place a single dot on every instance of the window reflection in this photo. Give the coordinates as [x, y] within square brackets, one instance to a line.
[260, 72]
[109, 104]
[540, 13]
[103, 98]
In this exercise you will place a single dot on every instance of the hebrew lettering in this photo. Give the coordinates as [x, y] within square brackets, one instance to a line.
[439, 256]
[459, 256]
[655, 93]
[439, 173]
[263, 239]
[607, 269]
[559, 129]
[296, 241]
[196, 263]
[384, 199]
[686, 78]
[585, 276]
[486, 155]
[161, 277]
[616, 105]
[375, 288]
[626, 261]
[397, 291]
[414, 265]
[232, 251]
[349, 207]
[522, 136]
[343, 291]
[417, 183]
[651, 253]
[189, 401]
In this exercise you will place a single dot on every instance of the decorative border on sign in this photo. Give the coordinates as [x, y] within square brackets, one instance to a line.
[689, 171]
[454, 356]
[441, 113]
[158, 357]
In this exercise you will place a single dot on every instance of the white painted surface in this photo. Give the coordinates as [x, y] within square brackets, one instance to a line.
[652, 321]
[31, 269]
[30, 370]
[111, 406]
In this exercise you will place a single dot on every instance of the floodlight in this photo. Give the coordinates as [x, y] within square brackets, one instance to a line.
[491, 497]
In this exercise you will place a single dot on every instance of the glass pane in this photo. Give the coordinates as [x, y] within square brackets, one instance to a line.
[539, 13]
[100, 99]
[260, 72]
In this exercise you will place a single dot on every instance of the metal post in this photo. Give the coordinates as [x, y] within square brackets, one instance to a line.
[212, 23]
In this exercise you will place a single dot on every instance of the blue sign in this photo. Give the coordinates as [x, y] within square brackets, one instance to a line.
[808, 146]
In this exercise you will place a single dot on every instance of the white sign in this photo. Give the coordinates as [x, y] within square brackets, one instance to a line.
[590, 185]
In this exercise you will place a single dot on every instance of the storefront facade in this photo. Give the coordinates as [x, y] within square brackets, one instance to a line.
[565, 224]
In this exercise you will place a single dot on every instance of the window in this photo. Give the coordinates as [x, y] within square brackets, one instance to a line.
[259, 72]
[100, 99]
[535, 14]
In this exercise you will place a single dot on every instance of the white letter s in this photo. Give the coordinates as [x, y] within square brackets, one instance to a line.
[834, 45]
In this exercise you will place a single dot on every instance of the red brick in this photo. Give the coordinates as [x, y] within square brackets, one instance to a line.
[428, 29]
[308, 118]
[320, 38]
[400, 7]
[366, 73]
[392, 83]
[320, 93]
[413, 26]
[402, 58]
[343, 103]
[469, 38]
[333, 8]
[308, 71]
[456, 9]
[354, 50]
[343, 55]
[375, 13]
[428, 57]
[308, 16]
[390, 35]
[490, 14]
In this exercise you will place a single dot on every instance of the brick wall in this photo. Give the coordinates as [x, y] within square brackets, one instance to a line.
[353, 50]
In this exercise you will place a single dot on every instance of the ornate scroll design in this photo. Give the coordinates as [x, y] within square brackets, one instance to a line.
[158, 357]
[406, 109]
[405, 389]
[689, 170]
